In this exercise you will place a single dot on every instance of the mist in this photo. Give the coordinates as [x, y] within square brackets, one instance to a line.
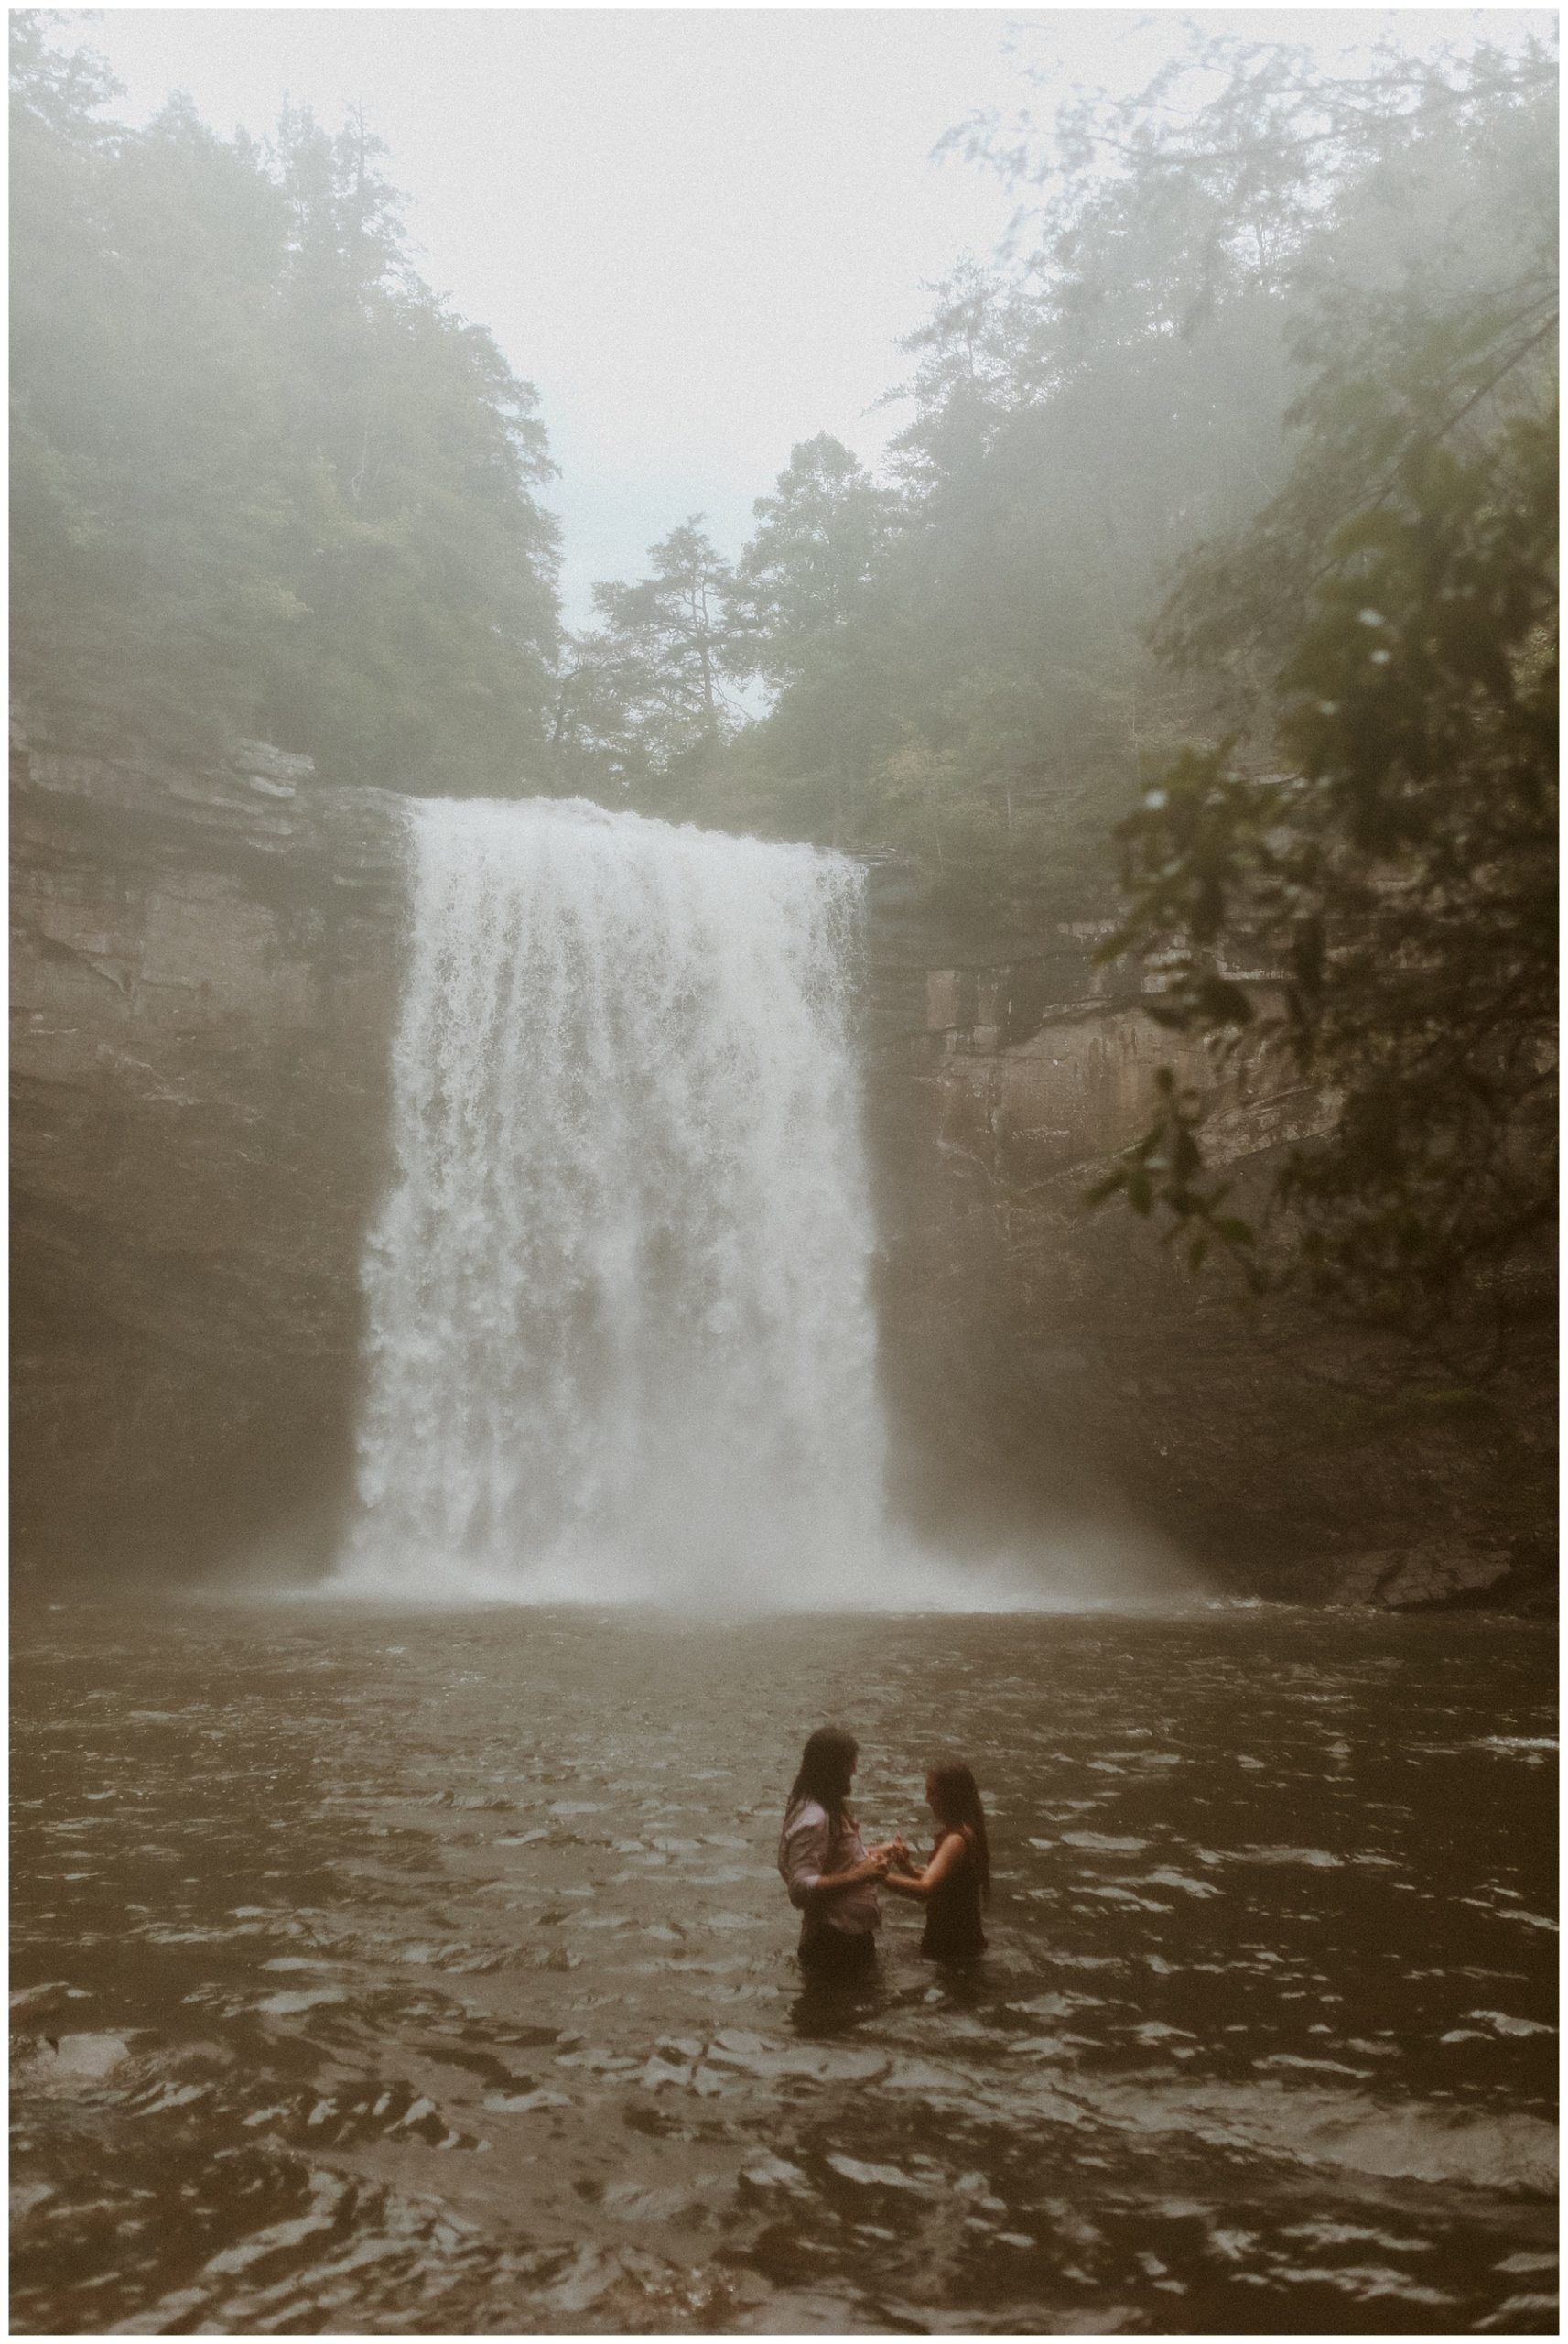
[784, 1141]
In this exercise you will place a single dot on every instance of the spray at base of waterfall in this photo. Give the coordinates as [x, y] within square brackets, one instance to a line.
[1082, 1571]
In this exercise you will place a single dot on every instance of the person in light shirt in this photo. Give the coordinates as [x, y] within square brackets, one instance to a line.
[831, 1873]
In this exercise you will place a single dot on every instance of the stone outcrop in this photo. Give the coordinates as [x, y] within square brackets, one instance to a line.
[205, 969]
[1068, 1362]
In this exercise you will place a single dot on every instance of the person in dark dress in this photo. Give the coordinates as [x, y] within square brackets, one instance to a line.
[955, 1884]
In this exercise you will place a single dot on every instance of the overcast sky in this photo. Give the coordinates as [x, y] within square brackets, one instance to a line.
[700, 233]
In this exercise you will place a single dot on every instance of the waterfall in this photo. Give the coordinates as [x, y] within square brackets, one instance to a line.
[620, 1335]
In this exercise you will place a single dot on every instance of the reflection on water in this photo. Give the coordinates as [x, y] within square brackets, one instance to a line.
[399, 1973]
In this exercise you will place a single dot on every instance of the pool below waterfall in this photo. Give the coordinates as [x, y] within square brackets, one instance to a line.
[400, 1973]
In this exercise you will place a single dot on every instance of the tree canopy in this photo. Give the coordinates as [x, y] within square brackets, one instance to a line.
[263, 481]
[1370, 809]
[977, 656]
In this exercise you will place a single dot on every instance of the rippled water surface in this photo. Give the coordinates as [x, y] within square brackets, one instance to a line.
[400, 1973]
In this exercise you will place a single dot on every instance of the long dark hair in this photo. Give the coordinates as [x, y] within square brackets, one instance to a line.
[825, 1765]
[956, 1797]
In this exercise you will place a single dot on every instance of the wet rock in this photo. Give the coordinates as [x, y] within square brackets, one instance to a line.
[274, 772]
[1058, 1365]
[1425, 1579]
[1518, 1576]
[202, 1010]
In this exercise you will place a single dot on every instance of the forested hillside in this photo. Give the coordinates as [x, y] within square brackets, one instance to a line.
[264, 483]
[1236, 303]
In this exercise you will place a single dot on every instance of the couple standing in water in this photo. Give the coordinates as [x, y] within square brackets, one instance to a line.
[833, 1877]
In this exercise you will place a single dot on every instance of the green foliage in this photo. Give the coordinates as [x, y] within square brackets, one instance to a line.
[264, 481]
[1395, 864]
[804, 578]
[806, 624]
[651, 707]
[1376, 649]
[958, 657]
[643, 703]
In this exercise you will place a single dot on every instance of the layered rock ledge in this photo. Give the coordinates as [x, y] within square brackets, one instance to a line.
[1055, 1363]
[204, 978]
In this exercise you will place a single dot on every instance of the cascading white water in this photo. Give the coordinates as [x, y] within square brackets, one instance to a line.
[621, 1340]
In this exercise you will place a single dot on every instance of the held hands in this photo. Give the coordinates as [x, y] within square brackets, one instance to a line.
[888, 1855]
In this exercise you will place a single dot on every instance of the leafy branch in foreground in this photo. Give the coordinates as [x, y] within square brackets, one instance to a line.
[1396, 868]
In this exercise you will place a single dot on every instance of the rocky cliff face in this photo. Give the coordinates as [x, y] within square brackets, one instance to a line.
[1064, 1362]
[205, 969]
[203, 974]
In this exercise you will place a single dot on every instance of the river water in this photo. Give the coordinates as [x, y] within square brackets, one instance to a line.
[399, 1972]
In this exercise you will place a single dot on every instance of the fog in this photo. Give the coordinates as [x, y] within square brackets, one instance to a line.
[783, 921]
[700, 234]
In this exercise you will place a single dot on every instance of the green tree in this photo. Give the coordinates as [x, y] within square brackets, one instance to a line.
[145, 528]
[418, 552]
[597, 747]
[804, 623]
[1395, 862]
[1111, 401]
[647, 698]
[1371, 813]
[265, 481]
[805, 574]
